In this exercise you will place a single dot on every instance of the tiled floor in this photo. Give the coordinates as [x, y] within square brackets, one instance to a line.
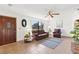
[35, 48]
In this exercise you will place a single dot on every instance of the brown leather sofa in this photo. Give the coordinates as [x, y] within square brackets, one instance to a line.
[40, 34]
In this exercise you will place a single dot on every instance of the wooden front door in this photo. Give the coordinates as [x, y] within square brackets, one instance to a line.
[7, 30]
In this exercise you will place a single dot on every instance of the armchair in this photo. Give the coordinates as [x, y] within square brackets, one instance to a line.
[57, 33]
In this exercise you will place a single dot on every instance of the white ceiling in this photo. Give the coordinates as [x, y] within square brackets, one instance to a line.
[38, 10]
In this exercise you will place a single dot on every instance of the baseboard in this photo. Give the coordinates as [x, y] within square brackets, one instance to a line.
[66, 37]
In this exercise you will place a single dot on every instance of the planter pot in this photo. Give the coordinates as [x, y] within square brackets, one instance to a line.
[26, 41]
[29, 39]
[75, 47]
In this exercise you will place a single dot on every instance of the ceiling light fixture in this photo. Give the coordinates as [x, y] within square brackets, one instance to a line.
[10, 5]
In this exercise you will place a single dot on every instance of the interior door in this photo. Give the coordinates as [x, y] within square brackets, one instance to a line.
[9, 30]
[1, 31]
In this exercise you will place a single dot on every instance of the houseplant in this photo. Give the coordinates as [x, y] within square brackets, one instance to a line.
[27, 37]
[75, 32]
[75, 36]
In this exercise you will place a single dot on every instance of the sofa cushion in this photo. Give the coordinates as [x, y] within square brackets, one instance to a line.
[42, 34]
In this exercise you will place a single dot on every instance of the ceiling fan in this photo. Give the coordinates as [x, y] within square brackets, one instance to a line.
[51, 13]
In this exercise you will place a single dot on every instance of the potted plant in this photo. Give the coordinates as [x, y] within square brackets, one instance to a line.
[75, 36]
[75, 32]
[27, 37]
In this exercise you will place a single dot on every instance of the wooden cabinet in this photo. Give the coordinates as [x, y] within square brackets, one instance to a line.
[7, 30]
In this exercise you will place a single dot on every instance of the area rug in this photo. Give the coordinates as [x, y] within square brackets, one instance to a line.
[51, 42]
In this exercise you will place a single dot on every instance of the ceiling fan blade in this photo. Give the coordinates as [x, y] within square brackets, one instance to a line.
[55, 13]
[51, 16]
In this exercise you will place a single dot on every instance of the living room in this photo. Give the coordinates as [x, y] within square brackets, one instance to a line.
[36, 25]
